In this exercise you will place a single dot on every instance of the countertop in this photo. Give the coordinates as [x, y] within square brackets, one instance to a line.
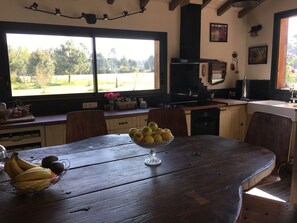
[61, 118]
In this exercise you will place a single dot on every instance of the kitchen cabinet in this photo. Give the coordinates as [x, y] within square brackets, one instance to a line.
[123, 125]
[233, 122]
[23, 138]
[55, 134]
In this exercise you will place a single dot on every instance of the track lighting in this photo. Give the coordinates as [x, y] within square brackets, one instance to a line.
[90, 18]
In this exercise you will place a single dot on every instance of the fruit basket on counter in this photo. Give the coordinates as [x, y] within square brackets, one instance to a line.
[151, 137]
[22, 177]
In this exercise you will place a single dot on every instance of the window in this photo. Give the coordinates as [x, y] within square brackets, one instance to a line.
[284, 58]
[43, 61]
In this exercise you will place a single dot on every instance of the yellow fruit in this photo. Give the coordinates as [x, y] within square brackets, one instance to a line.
[132, 131]
[148, 139]
[146, 131]
[166, 135]
[14, 166]
[158, 138]
[24, 164]
[31, 186]
[138, 137]
[167, 130]
[153, 126]
[35, 173]
[7, 169]
[159, 131]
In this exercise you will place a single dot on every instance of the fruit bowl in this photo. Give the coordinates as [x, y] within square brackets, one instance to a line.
[152, 160]
[153, 145]
[29, 187]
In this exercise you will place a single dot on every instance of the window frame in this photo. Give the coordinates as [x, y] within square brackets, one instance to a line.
[41, 29]
[275, 93]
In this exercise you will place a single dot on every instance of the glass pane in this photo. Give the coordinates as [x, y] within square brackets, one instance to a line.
[127, 64]
[48, 65]
[291, 60]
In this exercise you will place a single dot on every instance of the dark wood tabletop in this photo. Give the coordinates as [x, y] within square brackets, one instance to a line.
[200, 180]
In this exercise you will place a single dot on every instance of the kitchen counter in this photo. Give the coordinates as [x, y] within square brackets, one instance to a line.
[60, 119]
[230, 102]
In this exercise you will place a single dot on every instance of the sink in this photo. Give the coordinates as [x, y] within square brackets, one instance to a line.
[274, 107]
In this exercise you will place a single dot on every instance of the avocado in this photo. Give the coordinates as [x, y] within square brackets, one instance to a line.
[46, 161]
[57, 167]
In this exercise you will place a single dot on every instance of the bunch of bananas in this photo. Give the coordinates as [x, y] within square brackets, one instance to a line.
[27, 177]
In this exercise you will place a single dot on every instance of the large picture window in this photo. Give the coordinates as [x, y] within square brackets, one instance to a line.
[284, 58]
[42, 61]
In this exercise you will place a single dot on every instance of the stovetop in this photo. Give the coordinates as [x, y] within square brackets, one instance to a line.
[194, 103]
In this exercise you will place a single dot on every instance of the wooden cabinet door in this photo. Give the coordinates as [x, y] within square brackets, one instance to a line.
[233, 122]
[55, 134]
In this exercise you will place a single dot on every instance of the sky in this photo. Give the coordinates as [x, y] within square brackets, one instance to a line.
[132, 49]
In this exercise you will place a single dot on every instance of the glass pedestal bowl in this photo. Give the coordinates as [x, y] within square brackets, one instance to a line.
[152, 159]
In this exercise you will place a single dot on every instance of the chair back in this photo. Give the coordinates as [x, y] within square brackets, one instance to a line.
[171, 118]
[272, 132]
[85, 124]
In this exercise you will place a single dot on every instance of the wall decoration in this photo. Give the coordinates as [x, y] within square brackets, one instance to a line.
[258, 55]
[218, 32]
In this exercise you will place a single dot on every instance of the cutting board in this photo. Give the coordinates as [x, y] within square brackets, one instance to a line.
[27, 118]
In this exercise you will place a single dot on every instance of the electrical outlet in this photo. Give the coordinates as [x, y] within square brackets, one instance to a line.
[88, 105]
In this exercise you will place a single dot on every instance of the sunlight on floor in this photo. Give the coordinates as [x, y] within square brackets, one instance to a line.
[260, 193]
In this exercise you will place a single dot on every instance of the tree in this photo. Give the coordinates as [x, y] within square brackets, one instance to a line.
[71, 60]
[18, 60]
[102, 64]
[42, 66]
[149, 64]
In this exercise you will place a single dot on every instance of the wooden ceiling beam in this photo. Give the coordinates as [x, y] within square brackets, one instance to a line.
[205, 3]
[174, 3]
[224, 8]
[143, 3]
[110, 2]
[245, 11]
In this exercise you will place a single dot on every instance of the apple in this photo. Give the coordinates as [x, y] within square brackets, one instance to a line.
[167, 130]
[137, 137]
[148, 139]
[158, 138]
[153, 126]
[146, 131]
[159, 131]
[166, 135]
[132, 131]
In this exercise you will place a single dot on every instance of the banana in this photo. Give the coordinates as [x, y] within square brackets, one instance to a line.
[31, 186]
[35, 173]
[7, 169]
[14, 166]
[24, 164]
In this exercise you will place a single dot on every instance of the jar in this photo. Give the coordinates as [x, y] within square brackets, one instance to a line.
[143, 104]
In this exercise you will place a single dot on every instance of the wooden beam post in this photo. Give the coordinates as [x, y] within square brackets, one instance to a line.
[224, 8]
[143, 3]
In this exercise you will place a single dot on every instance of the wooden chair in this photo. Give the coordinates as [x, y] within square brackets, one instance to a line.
[171, 118]
[274, 133]
[85, 124]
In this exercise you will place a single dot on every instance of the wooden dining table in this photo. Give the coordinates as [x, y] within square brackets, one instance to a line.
[200, 179]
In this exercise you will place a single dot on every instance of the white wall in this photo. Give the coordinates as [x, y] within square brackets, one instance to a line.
[157, 17]
[264, 15]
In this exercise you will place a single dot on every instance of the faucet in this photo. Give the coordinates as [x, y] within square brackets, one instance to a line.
[293, 99]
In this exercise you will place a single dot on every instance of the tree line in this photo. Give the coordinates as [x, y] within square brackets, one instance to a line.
[68, 59]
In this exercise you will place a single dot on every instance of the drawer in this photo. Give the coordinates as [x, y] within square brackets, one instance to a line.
[123, 123]
[141, 121]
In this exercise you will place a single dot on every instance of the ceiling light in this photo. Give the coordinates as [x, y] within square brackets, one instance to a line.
[58, 12]
[244, 3]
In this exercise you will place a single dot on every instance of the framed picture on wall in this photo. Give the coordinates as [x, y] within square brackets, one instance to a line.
[218, 32]
[258, 55]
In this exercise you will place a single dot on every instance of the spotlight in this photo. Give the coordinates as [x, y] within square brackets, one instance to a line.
[125, 13]
[34, 6]
[105, 17]
[58, 12]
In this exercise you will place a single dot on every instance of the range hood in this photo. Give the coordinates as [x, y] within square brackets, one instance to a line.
[190, 30]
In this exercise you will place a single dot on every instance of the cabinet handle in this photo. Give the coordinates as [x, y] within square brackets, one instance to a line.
[241, 124]
[122, 123]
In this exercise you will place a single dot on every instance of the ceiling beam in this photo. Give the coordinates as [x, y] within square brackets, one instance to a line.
[143, 3]
[110, 2]
[174, 3]
[245, 11]
[205, 3]
[224, 8]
